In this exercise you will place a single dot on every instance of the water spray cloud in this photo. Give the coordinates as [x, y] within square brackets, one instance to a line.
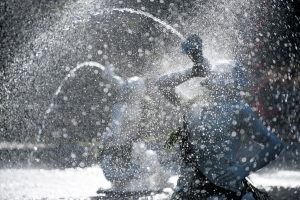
[97, 65]
[146, 14]
[89, 64]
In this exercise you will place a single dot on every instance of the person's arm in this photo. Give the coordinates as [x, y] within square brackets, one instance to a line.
[272, 145]
[167, 83]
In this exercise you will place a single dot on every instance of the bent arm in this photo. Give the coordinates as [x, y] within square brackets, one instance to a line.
[272, 145]
[167, 84]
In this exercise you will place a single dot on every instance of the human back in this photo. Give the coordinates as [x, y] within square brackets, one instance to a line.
[215, 137]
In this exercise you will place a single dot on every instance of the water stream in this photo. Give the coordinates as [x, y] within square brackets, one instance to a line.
[97, 65]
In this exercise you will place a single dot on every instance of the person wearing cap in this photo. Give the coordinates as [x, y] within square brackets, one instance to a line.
[215, 127]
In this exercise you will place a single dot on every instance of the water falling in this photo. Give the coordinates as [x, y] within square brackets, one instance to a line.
[146, 14]
[97, 65]
[90, 64]
[255, 32]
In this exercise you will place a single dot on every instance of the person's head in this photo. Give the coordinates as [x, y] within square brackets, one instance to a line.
[192, 47]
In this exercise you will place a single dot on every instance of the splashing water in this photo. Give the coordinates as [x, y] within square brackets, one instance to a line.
[97, 65]
[72, 72]
[58, 91]
[146, 14]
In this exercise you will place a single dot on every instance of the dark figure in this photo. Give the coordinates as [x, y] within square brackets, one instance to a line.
[213, 131]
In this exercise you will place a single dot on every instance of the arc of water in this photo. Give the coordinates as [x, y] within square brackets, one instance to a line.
[58, 91]
[72, 72]
[98, 65]
[146, 14]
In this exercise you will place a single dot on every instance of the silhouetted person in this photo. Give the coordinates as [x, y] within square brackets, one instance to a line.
[214, 129]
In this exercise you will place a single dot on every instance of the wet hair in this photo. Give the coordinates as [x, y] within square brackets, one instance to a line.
[192, 44]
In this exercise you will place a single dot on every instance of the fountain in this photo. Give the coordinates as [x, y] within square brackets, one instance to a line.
[139, 12]
[57, 92]
[212, 24]
[92, 64]
[101, 68]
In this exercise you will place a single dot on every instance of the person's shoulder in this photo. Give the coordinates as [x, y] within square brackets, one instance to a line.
[244, 105]
[245, 110]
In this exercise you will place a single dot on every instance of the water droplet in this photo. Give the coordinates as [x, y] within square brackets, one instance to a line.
[74, 122]
[93, 108]
[233, 134]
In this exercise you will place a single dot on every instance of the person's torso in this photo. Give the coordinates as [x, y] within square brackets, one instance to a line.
[215, 135]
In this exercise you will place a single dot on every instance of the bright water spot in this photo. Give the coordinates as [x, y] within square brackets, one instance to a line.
[51, 184]
[282, 178]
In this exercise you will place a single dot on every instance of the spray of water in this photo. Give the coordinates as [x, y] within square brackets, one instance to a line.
[146, 14]
[97, 65]
[89, 64]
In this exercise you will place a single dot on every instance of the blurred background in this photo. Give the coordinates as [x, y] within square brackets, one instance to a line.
[41, 41]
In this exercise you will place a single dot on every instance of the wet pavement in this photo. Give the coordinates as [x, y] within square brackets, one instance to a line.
[69, 183]
[51, 184]
[47, 172]
[83, 183]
